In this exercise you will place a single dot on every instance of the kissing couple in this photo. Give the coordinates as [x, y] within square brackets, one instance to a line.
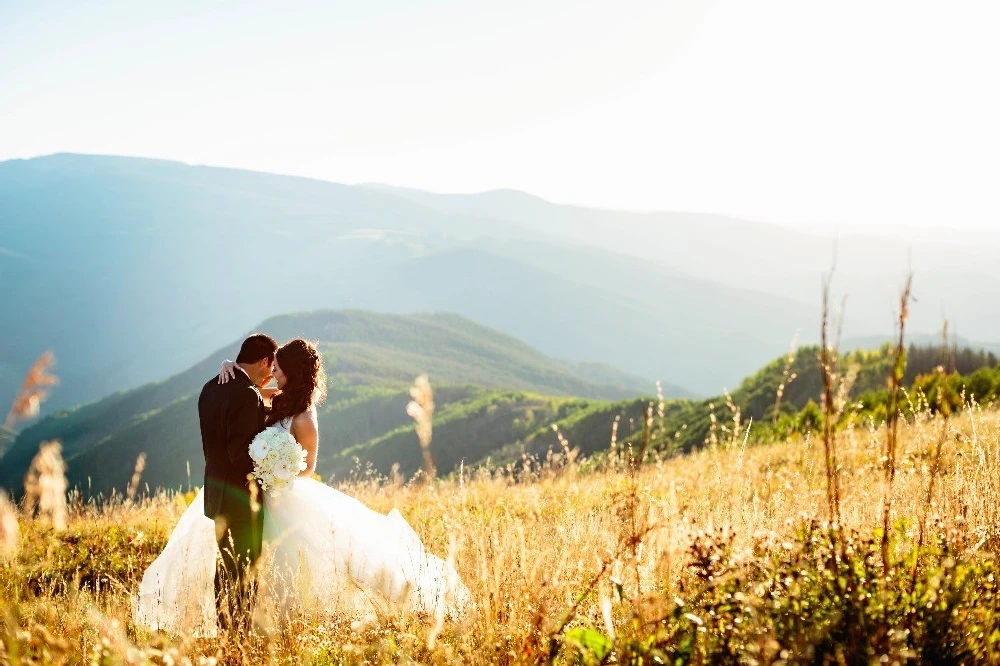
[238, 550]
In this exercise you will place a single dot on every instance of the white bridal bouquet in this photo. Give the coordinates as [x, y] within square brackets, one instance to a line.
[277, 459]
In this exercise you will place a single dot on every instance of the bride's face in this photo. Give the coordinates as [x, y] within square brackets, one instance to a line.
[279, 376]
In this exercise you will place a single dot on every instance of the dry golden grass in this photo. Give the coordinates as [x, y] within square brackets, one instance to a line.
[610, 549]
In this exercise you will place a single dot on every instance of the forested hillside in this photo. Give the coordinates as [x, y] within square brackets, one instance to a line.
[371, 360]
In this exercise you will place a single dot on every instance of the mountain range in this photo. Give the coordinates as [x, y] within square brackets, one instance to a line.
[132, 269]
[954, 270]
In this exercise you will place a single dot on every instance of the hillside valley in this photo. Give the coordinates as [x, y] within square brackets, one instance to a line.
[372, 360]
[498, 400]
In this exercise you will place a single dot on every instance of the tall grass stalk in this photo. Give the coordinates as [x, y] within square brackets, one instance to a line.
[828, 371]
[892, 420]
[787, 377]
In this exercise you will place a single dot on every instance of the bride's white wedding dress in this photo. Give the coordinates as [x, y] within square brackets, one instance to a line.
[324, 551]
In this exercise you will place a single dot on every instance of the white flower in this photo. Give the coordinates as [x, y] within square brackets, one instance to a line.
[259, 447]
[283, 471]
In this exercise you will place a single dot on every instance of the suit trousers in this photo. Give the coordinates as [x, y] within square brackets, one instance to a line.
[239, 532]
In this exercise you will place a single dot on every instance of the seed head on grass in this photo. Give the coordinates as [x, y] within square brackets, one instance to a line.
[421, 410]
[33, 391]
[45, 485]
[133, 484]
[567, 459]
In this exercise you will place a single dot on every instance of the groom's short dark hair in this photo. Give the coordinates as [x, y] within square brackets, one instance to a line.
[257, 348]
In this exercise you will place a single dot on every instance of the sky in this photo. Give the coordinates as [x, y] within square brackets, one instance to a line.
[799, 112]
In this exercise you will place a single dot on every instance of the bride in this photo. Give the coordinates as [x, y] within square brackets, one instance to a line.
[325, 552]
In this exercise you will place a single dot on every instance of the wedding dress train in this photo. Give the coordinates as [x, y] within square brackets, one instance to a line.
[324, 552]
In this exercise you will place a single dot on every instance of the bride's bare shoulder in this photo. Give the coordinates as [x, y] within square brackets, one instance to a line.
[306, 418]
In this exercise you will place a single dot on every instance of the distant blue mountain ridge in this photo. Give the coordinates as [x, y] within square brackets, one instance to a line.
[132, 269]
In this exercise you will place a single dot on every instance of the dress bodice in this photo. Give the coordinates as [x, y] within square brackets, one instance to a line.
[284, 424]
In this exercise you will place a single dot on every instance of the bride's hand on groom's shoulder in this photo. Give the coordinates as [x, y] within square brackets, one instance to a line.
[227, 371]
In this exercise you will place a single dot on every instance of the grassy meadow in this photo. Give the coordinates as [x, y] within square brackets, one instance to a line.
[722, 555]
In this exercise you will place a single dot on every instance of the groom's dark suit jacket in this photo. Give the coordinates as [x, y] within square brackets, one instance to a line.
[231, 414]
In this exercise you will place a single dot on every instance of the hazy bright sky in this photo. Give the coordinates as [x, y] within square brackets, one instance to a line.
[798, 111]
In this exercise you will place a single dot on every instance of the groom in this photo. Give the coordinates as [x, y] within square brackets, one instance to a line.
[231, 414]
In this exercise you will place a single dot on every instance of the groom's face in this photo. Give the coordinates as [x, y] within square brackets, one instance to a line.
[264, 372]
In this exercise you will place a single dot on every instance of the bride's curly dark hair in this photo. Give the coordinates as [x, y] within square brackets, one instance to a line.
[306, 386]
